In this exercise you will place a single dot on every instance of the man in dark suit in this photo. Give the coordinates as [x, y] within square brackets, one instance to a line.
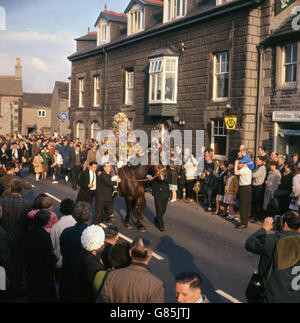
[88, 184]
[75, 165]
[161, 193]
[71, 247]
[15, 221]
[4, 154]
[104, 199]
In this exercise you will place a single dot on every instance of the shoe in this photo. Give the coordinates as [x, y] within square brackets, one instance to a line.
[54, 182]
[241, 226]
[229, 217]
[162, 229]
[172, 201]
[209, 209]
[66, 178]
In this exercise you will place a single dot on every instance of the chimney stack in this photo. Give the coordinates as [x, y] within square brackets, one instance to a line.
[18, 69]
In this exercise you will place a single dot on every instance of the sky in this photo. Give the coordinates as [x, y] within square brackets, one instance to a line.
[42, 33]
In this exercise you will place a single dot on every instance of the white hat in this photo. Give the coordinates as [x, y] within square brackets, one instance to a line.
[92, 238]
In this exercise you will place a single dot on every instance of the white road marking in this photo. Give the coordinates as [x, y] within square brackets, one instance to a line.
[155, 255]
[53, 197]
[225, 295]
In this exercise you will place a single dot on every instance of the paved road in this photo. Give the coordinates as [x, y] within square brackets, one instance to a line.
[194, 241]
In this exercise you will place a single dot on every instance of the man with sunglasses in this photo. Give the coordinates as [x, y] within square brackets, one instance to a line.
[279, 265]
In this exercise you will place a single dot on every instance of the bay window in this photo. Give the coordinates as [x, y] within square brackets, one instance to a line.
[163, 74]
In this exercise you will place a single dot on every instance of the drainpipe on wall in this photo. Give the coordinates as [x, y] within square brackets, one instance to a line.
[258, 103]
[105, 88]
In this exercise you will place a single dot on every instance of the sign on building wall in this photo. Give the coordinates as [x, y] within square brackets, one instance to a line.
[230, 123]
[286, 116]
[63, 116]
[280, 5]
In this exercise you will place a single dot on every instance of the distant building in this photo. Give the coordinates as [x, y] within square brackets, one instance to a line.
[37, 113]
[11, 98]
[59, 106]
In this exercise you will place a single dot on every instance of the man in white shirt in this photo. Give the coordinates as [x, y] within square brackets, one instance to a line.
[58, 161]
[245, 179]
[66, 221]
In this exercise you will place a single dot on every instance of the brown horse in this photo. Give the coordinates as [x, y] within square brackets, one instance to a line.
[132, 187]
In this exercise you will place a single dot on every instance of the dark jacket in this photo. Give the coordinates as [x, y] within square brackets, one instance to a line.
[39, 261]
[105, 187]
[282, 251]
[83, 182]
[4, 249]
[220, 183]
[160, 188]
[87, 266]
[72, 159]
[70, 247]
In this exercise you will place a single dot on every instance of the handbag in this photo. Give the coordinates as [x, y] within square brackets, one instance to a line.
[256, 291]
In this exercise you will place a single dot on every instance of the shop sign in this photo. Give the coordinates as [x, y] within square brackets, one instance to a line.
[280, 5]
[286, 116]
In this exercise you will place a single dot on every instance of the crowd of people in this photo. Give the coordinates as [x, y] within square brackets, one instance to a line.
[68, 257]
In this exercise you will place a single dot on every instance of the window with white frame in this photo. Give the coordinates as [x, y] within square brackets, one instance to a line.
[41, 113]
[129, 87]
[136, 21]
[218, 137]
[103, 32]
[81, 92]
[96, 90]
[163, 74]
[221, 76]
[174, 9]
[290, 54]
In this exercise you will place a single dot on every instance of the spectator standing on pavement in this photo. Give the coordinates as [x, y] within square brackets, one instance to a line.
[231, 190]
[46, 161]
[190, 166]
[89, 263]
[258, 189]
[39, 261]
[10, 175]
[245, 179]
[295, 160]
[135, 283]
[282, 194]
[188, 289]
[15, 222]
[111, 238]
[44, 202]
[65, 151]
[220, 185]
[272, 183]
[295, 198]
[279, 259]
[66, 220]
[70, 247]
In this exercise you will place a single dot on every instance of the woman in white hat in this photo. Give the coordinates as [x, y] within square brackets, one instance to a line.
[89, 263]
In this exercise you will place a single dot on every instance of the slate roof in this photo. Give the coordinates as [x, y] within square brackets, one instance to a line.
[9, 86]
[37, 100]
[159, 3]
[112, 16]
[206, 9]
[284, 32]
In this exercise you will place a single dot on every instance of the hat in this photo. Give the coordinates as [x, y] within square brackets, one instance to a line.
[92, 238]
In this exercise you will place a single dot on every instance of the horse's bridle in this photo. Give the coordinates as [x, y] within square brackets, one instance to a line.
[147, 179]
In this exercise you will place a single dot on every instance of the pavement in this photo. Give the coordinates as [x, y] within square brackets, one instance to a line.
[195, 240]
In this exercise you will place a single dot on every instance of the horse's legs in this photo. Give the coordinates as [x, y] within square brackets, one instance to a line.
[127, 217]
[140, 211]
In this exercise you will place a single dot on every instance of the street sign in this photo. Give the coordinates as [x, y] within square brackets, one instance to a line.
[63, 116]
[280, 5]
[230, 123]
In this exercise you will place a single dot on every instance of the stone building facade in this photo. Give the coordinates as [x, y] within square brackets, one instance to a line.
[11, 100]
[206, 53]
[36, 113]
[59, 106]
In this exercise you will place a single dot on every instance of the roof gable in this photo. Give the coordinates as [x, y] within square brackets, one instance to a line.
[10, 86]
[159, 3]
[112, 16]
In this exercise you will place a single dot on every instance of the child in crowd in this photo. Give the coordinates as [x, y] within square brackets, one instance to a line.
[231, 190]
